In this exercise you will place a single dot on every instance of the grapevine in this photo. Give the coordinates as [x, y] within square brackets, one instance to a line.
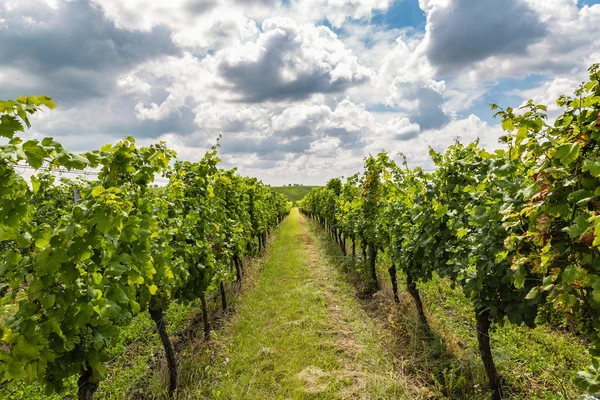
[518, 229]
[76, 271]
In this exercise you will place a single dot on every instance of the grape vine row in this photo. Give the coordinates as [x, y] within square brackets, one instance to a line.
[80, 258]
[518, 229]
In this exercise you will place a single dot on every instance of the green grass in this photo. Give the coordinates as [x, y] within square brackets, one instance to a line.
[533, 363]
[298, 334]
[293, 193]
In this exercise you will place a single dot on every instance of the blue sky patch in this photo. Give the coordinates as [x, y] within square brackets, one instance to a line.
[402, 14]
[500, 93]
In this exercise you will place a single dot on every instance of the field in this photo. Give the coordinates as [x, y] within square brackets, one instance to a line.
[293, 193]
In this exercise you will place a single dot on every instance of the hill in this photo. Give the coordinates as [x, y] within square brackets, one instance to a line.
[294, 193]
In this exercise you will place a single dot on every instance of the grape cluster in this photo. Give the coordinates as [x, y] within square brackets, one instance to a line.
[547, 314]
[86, 337]
[585, 319]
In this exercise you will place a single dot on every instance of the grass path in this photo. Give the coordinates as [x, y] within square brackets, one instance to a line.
[298, 334]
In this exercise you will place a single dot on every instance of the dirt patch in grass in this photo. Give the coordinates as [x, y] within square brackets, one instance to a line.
[314, 379]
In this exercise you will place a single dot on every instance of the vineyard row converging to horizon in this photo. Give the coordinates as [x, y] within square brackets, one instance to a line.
[76, 269]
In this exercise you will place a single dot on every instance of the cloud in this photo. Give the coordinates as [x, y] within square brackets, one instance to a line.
[200, 25]
[423, 99]
[407, 76]
[284, 134]
[180, 78]
[214, 24]
[289, 62]
[399, 128]
[558, 45]
[232, 118]
[325, 147]
[71, 51]
[301, 119]
[566, 48]
[133, 84]
[286, 63]
[112, 117]
[269, 148]
[549, 92]
[416, 148]
[349, 122]
[295, 128]
[462, 32]
[300, 90]
[338, 11]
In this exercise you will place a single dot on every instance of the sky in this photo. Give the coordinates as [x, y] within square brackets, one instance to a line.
[299, 90]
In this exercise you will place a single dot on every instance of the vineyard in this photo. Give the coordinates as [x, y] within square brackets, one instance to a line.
[84, 262]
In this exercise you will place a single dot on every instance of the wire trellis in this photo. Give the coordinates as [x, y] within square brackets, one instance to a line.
[60, 171]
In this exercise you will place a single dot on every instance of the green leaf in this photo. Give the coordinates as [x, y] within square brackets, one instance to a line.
[501, 256]
[47, 301]
[97, 191]
[7, 233]
[35, 153]
[461, 233]
[580, 225]
[42, 237]
[26, 350]
[77, 161]
[533, 293]
[93, 293]
[508, 124]
[567, 152]
[574, 274]
[578, 195]
[85, 255]
[596, 292]
[519, 279]
[9, 125]
[135, 306]
[35, 183]
[117, 294]
[99, 371]
[24, 239]
[104, 224]
[531, 190]
[115, 269]
[587, 381]
[137, 279]
[521, 135]
[592, 166]
[35, 288]
[97, 278]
